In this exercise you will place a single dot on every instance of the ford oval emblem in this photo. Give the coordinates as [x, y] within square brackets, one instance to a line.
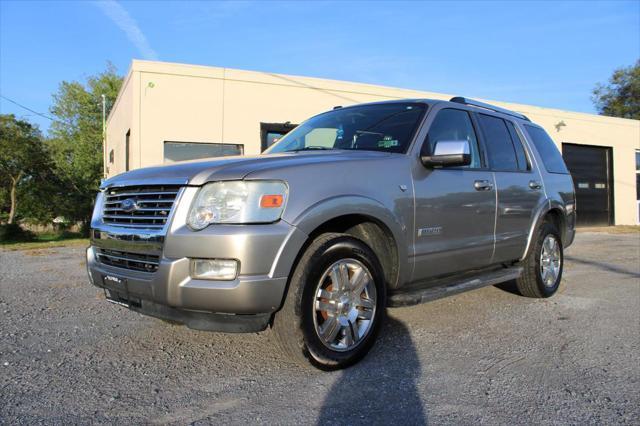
[129, 205]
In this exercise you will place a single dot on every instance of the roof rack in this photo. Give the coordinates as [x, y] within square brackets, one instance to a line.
[471, 102]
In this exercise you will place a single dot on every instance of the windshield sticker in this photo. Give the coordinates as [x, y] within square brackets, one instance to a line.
[387, 142]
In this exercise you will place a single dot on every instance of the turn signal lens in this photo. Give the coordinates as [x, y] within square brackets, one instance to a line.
[271, 201]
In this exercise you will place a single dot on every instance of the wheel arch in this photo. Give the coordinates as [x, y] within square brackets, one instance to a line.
[372, 232]
[361, 217]
[550, 210]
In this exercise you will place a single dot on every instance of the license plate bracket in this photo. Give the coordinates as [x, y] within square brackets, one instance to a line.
[116, 290]
[113, 281]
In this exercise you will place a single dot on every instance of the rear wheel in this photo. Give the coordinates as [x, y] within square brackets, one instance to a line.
[335, 303]
[543, 266]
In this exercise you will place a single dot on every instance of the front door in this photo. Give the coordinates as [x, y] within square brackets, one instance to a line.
[455, 207]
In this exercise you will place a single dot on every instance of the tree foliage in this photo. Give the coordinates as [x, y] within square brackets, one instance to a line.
[620, 97]
[76, 138]
[25, 170]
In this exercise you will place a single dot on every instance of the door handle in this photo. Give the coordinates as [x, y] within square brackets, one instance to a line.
[483, 185]
[534, 185]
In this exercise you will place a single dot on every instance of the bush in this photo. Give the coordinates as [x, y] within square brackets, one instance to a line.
[66, 234]
[14, 232]
[85, 229]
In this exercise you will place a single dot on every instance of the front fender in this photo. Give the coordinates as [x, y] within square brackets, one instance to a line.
[328, 209]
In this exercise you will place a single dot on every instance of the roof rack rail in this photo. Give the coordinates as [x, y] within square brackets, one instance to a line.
[471, 102]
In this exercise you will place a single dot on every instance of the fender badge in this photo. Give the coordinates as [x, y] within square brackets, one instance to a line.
[433, 230]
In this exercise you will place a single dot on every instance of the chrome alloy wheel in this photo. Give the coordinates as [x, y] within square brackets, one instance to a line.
[550, 260]
[344, 305]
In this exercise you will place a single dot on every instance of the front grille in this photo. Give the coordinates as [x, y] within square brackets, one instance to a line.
[139, 206]
[126, 260]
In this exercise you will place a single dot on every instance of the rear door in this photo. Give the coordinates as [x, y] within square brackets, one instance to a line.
[454, 206]
[519, 188]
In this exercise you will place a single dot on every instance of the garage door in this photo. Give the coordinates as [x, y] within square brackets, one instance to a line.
[590, 167]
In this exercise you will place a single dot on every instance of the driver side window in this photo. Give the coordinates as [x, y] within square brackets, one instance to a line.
[453, 125]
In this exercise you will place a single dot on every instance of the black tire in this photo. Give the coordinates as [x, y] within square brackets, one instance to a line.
[530, 283]
[294, 326]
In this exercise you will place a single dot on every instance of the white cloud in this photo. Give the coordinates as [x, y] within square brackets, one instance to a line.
[119, 15]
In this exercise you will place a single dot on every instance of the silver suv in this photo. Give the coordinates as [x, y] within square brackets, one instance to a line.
[357, 209]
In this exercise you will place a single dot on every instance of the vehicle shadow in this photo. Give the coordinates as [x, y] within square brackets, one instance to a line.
[382, 388]
[604, 266]
[509, 286]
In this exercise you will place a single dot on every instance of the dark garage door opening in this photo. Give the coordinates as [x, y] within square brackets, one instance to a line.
[271, 133]
[592, 171]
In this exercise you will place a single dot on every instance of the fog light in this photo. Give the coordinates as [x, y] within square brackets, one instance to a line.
[214, 269]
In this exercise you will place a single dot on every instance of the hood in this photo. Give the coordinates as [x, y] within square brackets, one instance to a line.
[198, 172]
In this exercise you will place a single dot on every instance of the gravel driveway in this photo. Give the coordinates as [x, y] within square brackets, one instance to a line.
[488, 356]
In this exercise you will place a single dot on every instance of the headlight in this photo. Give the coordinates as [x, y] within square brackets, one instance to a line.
[97, 207]
[238, 202]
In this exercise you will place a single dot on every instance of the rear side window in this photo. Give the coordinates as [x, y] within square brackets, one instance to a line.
[523, 164]
[502, 155]
[550, 154]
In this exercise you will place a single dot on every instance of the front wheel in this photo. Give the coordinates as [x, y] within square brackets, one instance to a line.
[543, 265]
[335, 304]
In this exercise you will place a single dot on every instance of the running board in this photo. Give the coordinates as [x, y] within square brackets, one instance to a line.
[451, 287]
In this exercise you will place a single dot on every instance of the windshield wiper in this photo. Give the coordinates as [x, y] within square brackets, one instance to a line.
[310, 148]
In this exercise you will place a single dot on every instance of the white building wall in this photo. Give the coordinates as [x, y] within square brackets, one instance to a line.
[187, 103]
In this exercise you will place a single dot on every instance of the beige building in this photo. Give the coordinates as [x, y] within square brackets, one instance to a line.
[169, 112]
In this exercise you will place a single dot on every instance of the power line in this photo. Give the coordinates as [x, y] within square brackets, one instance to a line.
[27, 108]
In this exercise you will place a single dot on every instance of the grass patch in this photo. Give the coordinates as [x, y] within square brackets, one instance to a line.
[44, 241]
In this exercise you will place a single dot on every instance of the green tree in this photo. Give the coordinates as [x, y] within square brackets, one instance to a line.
[24, 163]
[620, 97]
[76, 139]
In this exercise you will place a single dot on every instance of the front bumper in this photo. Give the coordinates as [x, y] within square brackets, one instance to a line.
[172, 285]
[266, 254]
[244, 304]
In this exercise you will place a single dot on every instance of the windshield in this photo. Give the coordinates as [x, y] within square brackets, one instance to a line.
[380, 127]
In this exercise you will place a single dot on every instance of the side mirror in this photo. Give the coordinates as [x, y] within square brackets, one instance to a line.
[448, 154]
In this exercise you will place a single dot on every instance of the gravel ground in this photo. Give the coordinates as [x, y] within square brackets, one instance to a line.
[488, 356]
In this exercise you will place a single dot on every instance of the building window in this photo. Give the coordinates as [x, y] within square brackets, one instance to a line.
[126, 150]
[183, 151]
[111, 157]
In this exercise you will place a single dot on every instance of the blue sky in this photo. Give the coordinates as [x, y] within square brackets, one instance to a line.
[542, 53]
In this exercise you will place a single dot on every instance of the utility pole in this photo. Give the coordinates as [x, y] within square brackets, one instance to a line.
[104, 136]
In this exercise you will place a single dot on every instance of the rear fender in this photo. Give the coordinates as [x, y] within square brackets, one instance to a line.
[538, 218]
